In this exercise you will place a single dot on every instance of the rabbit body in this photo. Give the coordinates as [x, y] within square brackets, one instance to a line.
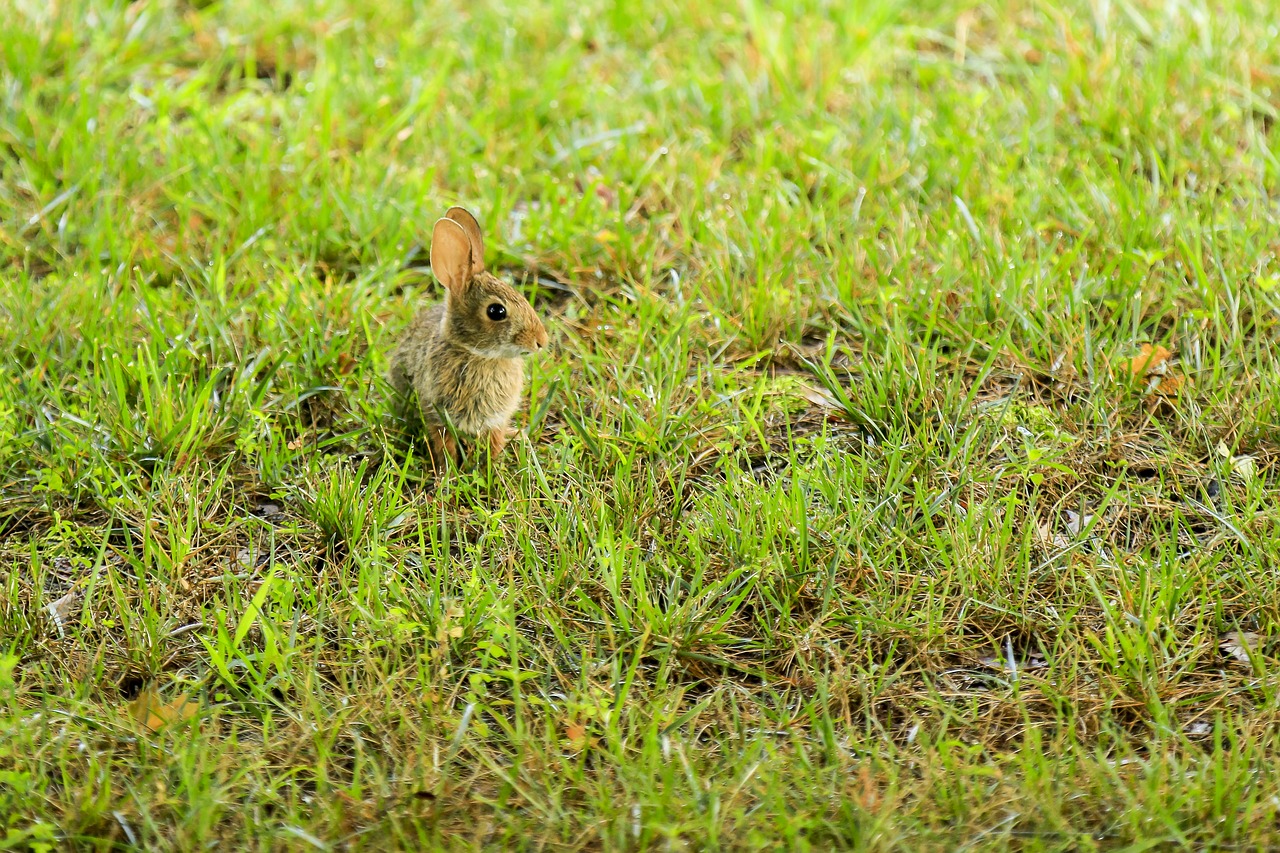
[464, 358]
[478, 394]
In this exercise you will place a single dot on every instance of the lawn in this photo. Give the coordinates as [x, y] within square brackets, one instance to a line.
[901, 475]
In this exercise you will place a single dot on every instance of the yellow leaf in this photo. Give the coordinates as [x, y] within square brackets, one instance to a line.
[605, 236]
[153, 712]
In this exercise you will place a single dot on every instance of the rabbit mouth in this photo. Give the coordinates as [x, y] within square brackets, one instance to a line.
[498, 351]
[506, 351]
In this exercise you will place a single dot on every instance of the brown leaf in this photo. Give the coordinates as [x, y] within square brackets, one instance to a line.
[1170, 385]
[1149, 360]
[1152, 365]
[606, 195]
[870, 791]
[819, 396]
[576, 734]
[150, 710]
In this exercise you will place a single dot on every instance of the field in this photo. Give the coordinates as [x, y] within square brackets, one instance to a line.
[902, 474]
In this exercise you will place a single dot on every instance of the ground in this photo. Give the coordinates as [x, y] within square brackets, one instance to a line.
[902, 473]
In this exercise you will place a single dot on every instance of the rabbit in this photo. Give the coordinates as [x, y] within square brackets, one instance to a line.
[464, 358]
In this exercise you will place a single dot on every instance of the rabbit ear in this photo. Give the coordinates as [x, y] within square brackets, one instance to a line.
[451, 256]
[469, 224]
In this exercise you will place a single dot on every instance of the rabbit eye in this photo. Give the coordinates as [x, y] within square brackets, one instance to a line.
[496, 312]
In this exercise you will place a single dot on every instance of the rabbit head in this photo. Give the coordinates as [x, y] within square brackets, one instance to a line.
[483, 314]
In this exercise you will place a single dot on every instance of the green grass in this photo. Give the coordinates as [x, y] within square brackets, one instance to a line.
[841, 520]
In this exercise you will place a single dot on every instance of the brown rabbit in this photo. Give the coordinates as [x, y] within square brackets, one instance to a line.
[465, 357]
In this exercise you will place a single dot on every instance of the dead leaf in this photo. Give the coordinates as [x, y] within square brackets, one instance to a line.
[819, 396]
[1168, 386]
[606, 195]
[1238, 644]
[60, 611]
[1014, 664]
[1152, 364]
[1244, 467]
[296, 443]
[576, 733]
[1076, 522]
[1049, 538]
[1149, 360]
[870, 793]
[150, 710]
[963, 23]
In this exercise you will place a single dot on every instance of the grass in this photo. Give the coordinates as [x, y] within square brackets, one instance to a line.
[845, 516]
